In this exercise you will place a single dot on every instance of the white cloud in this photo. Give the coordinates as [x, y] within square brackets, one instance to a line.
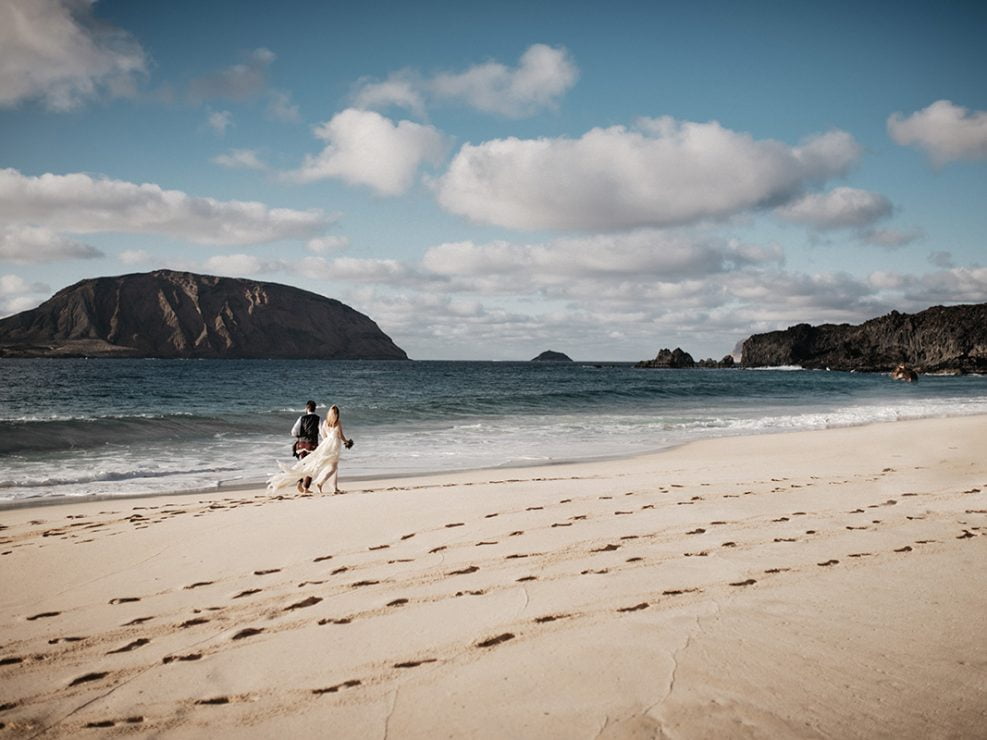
[664, 173]
[235, 265]
[23, 243]
[642, 256]
[404, 89]
[280, 107]
[219, 121]
[238, 82]
[543, 75]
[78, 203]
[240, 159]
[941, 258]
[944, 131]
[365, 148]
[838, 209]
[366, 270]
[327, 244]
[890, 238]
[16, 294]
[135, 256]
[55, 51]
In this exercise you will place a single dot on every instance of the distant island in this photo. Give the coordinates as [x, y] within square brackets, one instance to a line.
[167, 314]
[550, 356]
[938, 340]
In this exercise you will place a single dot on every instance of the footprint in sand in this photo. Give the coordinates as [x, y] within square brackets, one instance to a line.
[635, 608]
[748, 582]
[434, 550]
[490, 516]
[408, 536]
[859, 555]
[193, 622]
[198, 584]
[141, 642]
[455, 524]
[214, 701]
[43, 615]
[310, 601]
[378, 547]
[337, 571]
[248, 592]
[57, 640]
[13, 660]
[342, 620]
[360, 584]
[481, 544]
[906, 548]
[327, 557]
[698, 530]
[338, 687]
[778, 570]
[464, 571]
[679, 591]
[562, 524]
[634, 560]
[551, 618]
[827, 563]
[186, 658]
[606, 548]
[139, 620]
[415, 663]
[248, 632]
[491, 641]
[397, 602]
[266, 572]
[523, 579]
[89, 677]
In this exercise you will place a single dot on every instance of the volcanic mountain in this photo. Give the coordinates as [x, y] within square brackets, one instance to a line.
[170, 314]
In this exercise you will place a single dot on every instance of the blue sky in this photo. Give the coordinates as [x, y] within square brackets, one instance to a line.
[487, 181]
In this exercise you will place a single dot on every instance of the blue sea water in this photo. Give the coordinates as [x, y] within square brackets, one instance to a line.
[125, 427]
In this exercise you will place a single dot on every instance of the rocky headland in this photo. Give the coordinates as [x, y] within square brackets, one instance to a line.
[940, 339]
[168, 314]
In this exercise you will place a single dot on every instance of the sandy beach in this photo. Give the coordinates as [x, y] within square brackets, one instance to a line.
[812, 584]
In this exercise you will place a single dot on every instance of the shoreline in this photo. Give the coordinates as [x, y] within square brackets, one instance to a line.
[807, 584]
[261, 485]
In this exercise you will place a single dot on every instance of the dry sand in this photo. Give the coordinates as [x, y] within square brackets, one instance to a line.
[820, 584]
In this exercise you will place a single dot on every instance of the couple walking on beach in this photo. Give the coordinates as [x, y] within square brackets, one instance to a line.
[317, 461]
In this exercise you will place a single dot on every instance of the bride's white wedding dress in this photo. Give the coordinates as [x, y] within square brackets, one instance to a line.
[318, 464]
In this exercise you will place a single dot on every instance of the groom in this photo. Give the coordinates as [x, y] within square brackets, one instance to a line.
[306, 434]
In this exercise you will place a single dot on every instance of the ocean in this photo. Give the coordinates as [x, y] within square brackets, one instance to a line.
[127, 427]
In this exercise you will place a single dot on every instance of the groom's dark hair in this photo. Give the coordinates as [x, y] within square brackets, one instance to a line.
[310, 406]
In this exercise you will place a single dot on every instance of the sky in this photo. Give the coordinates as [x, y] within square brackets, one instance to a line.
[490, 180]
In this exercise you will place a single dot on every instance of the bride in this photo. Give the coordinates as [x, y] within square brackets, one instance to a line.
[321, 465]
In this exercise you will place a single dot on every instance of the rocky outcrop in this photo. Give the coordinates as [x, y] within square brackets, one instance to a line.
[678, 359]
[550, 356]
[940, 339]
[669, 358]
[180, 314]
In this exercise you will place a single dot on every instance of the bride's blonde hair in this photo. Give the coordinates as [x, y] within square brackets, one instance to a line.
[332, 416]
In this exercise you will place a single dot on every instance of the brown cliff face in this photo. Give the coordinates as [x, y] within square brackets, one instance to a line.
[939, 339]
[181, 314]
